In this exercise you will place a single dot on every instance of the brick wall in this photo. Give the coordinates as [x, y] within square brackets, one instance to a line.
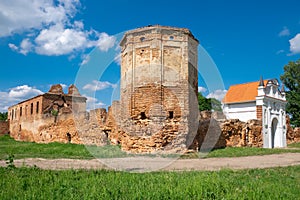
[4, 127]
[259, 112]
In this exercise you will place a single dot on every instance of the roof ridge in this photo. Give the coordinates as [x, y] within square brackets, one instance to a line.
[250, 82]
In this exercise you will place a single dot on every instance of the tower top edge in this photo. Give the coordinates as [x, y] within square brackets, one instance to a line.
[159, 27]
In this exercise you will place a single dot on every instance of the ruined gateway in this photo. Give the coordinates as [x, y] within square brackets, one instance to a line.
[157, 111]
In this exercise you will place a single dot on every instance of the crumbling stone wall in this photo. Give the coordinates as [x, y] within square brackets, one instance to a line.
[293, 134]
[137, 139]
[240, 134]
[73, 130]
[213, 134]
[4, 127]
[209, 136]
[57, 117]
[230, 133]
[296, 136]
[162, 140]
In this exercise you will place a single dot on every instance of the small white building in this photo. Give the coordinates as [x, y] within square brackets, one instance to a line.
[260, 100]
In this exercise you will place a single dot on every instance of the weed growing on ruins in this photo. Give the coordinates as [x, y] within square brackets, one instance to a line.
[32, 183]
[54, 113]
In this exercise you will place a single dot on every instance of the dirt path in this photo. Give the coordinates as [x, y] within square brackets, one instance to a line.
[142, 164]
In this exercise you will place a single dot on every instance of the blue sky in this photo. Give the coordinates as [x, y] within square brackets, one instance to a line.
[43, 42]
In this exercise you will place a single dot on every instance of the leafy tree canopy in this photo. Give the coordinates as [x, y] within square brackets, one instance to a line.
[291, 80]
[208, 103]
[3, 116]
[216, 105]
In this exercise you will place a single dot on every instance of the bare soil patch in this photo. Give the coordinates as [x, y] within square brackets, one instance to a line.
[142, 164]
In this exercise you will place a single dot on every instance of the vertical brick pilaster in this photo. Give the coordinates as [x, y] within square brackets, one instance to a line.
[259, 112]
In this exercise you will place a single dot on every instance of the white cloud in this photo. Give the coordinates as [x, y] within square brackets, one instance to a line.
[201, 89]
[17, 16]
[60, 41]
[13, 47]
[217, 94]
[98, 85]
[15, 95]
[24, 48]
[64, 86]
[295, 44]
[78, 25]
[50, 27]
[93, 103]
[70, 6]
[85, 59]
[105, 41]
[5, 101]
[285, 32]
[117, 58]
[23, 92]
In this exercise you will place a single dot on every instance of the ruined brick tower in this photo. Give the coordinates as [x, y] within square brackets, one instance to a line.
[159, 82]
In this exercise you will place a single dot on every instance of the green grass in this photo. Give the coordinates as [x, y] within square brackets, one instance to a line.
[247, 151]
[294, 145]
[9, 146]
[34, 183]
[239, 152]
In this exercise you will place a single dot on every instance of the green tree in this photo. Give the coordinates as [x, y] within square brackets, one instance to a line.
[291, 79]
[204, 103]
[3, 116]
[216, 104]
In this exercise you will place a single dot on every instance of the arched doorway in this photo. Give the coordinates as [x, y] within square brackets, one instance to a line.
[274, 134]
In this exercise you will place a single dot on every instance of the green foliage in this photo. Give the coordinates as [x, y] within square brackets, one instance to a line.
[55, 150]
[10, 161]
[3, 116]
[216, 105]
[208, 103]
[34, 183]
[291, 79]
[54, 113]
[204, 103]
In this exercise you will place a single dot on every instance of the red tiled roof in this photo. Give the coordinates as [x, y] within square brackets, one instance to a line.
[242, 92]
